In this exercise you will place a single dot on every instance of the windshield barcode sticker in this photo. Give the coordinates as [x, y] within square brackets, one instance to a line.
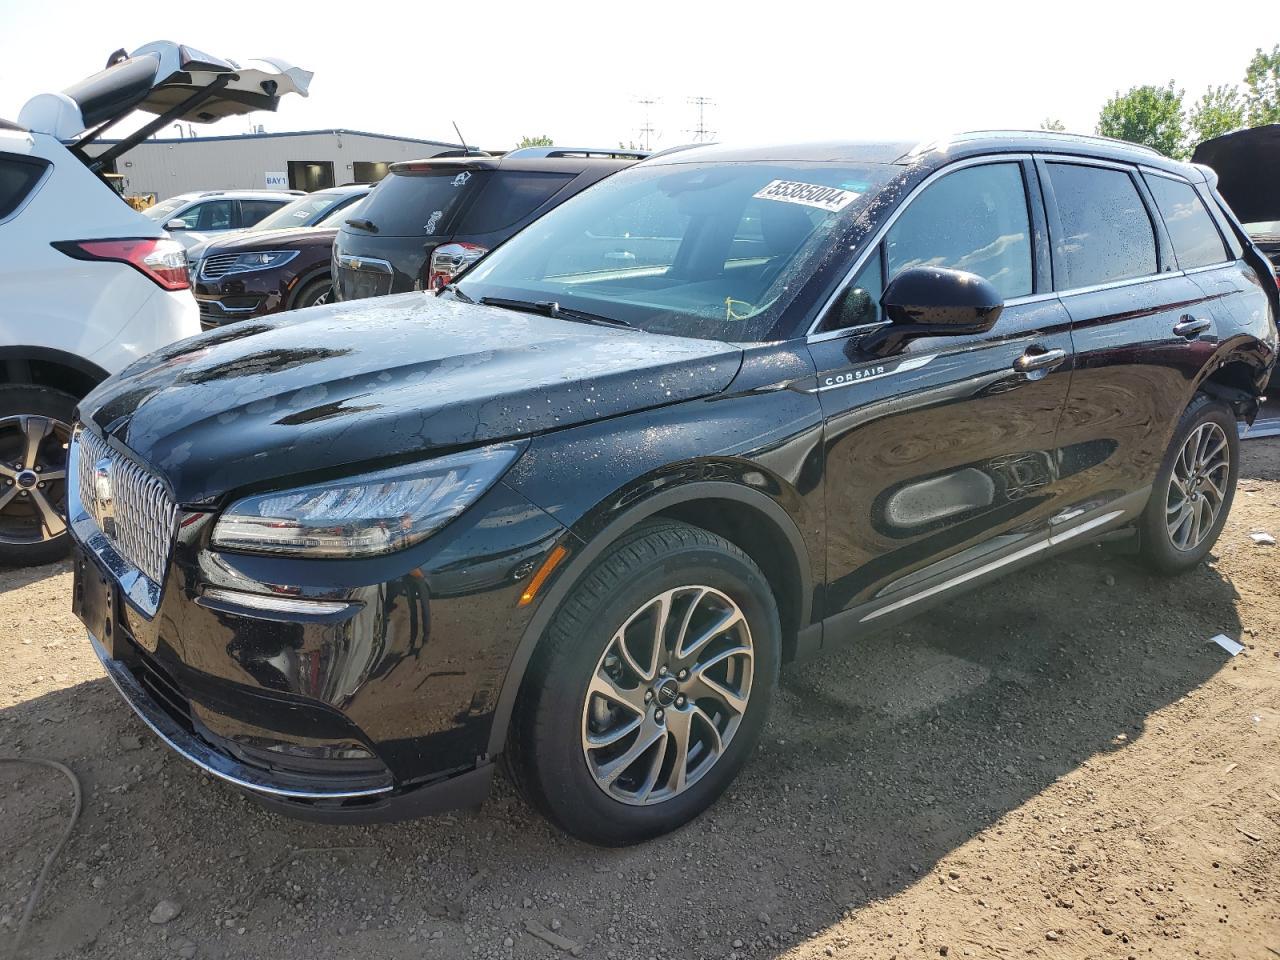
[831, 199]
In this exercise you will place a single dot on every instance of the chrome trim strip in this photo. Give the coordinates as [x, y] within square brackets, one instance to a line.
[372, 264]
[272, 604]
[196, 751]
[1052, 540]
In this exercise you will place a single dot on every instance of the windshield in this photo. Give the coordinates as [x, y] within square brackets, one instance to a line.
[161, 211]
[299, 213]
[1263, 228]
[334, 218]
[712, 250]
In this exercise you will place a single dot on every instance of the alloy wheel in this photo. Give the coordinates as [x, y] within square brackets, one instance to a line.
[1198, 486]
[667, 695]
[33, 475]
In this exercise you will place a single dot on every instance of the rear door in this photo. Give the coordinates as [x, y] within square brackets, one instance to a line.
[1141, 330]
[941, 460]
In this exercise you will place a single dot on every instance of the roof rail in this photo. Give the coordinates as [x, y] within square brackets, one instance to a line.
[679, 147]
[967, 135]
[531, 153]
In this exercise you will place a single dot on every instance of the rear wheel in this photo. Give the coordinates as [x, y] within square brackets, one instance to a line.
[650, 686]
[35, 431]
[314, 294]
[1193, 492]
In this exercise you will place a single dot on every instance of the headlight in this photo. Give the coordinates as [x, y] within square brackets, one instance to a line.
[364, 516]
[260, 261]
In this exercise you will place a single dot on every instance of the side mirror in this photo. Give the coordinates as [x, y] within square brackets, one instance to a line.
[934, 302]
[176, 224]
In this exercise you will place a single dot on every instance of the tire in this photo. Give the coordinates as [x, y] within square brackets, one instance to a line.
[314, 293]
[26, 539]
[1172, 543]
[549, 757]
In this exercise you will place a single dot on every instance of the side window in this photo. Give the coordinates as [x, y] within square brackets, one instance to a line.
[252, 211]
[510, 197]
[1196, 241]
[1106, 230]
[860, 302]
[974, 219]
[18, 177]
[211, 215]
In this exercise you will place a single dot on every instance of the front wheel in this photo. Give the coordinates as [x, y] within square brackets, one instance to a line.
[35, 430]
[1194, 489]
[314, 294]
[650, 687]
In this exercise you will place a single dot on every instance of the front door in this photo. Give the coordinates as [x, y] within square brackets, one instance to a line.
[941, 460]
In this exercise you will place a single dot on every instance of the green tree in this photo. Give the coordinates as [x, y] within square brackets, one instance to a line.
[1263, 80]
[1219, 111]
[542, 141]
[1053, 124]
[1148, 115]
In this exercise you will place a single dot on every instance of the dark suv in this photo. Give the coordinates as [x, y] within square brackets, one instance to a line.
[284, 265]
[430, 219]
[725, 409]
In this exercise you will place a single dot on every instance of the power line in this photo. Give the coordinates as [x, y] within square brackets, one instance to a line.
[700, 133]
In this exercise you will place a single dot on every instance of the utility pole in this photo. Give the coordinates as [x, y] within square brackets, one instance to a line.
[646, 131]
[700, 133]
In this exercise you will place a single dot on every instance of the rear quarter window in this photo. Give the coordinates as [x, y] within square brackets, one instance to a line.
[509, 196]
[18, 177]
[419, 204]
[1106, 231]
[1196, 241]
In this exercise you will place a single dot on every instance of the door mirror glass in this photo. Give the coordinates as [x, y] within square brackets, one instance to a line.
[936, 301]
[176, 224]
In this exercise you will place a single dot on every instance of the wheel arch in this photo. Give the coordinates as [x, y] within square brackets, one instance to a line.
[48, 367]
[317, 272]
[1236, 376]
[754, 522]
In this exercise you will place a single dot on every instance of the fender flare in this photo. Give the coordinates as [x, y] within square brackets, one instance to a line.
[605, 538]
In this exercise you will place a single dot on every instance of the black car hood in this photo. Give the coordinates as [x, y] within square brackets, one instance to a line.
[353, 384]
[1246, 163]
[286, 238]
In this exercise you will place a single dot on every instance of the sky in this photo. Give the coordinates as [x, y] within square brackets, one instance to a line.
[576, 71]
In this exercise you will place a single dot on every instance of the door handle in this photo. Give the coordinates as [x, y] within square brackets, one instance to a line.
[1037, 358]
[1189, 326]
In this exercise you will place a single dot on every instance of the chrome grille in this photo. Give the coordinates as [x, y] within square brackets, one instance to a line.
[130, 505]
[211, 268]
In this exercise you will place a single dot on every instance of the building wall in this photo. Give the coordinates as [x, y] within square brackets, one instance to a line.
[169, 167]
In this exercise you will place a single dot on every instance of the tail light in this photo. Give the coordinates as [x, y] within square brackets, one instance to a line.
[450, 259]
[162, 261]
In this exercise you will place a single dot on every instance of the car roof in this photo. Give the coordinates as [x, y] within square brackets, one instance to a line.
[241, 194]
[930, 153]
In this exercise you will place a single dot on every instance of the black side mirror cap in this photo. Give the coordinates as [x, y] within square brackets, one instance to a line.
[935, 301]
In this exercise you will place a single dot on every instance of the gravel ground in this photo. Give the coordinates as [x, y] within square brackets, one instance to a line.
[1057, 766]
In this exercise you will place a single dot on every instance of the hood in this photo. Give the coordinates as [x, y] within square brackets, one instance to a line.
[1246, 163]
[351, 385]
[288, 238]
[163, 78]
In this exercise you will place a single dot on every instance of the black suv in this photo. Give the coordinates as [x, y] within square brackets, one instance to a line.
[722, 410]
[431, 219]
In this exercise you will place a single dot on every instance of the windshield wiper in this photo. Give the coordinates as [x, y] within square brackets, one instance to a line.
[549, 308]
[453, 288]
[367, 225]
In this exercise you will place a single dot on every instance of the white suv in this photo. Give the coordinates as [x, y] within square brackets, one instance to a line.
[87, 284]
[193, 218]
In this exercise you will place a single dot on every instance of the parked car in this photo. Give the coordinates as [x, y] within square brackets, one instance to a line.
[723, 409]
[1247, 164]
[266, 271]
[193, 218]
[304, 211]
[89, 284]
[431, 219]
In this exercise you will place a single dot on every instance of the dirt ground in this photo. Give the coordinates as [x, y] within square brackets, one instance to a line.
[1058, 766]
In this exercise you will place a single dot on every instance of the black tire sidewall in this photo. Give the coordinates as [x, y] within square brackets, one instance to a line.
[309, 292]
[43, 402]
[570, 795]
[1157, 545]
